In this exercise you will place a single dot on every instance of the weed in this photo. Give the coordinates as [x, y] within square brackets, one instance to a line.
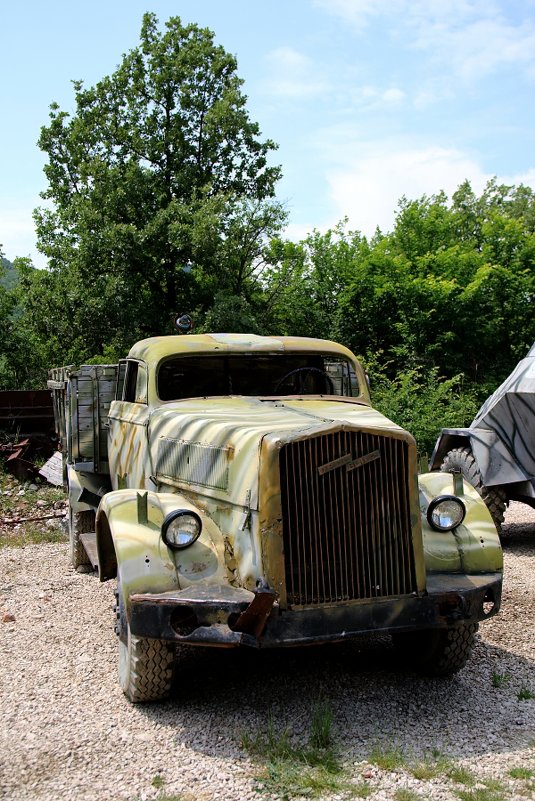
[321, 726]
[271, 745]
[404, 794]
[32, 535]
[521, 773]
[157, 781]
[361, 790]
[525, 694]
[500, 679]
[490, 791]
[431, 767]
[389, 759]
[178, 797]
[289, 779]
[14, 506]
[461, 775]
[494, 785]
[291, 770]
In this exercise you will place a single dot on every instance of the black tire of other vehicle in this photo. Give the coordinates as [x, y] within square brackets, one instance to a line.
[462, 459]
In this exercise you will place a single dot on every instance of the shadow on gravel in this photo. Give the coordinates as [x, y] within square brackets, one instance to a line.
[221, 695]
[519, 538]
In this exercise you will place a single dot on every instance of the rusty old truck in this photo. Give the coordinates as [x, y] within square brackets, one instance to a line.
[244, 492]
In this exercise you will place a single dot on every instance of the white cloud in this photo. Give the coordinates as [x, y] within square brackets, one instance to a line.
[17, 234]
[371, 97]
[367, 190]
[296, 232]
[479, 47]
[472, 38]
[356, 12]
[292, 75]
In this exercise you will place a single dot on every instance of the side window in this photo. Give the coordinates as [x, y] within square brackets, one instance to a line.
[120, 380]
[141, 384]
[129, 393]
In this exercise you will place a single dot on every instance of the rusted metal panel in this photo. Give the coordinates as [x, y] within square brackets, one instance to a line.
[26, 411]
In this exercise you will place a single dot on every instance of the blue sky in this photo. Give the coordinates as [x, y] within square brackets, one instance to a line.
[368, 100]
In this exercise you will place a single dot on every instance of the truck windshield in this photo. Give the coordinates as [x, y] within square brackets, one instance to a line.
[256, 374]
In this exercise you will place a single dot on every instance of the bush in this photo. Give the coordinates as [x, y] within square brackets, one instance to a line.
[422, 402]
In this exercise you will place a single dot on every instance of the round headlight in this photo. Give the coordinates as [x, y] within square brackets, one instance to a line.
[181, 528]
[446, 512]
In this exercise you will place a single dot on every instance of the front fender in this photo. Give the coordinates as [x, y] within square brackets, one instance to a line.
[474, 546]
[129, 544]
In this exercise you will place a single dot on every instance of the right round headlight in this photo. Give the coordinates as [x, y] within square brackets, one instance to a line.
[445, 512]
[181, 528]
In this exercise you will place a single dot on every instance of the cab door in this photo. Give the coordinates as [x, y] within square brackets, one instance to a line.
[128, 417]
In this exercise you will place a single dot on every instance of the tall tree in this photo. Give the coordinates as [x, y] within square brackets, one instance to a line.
[157, 154]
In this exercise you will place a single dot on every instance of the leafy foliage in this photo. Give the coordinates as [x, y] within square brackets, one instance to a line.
[159, 195]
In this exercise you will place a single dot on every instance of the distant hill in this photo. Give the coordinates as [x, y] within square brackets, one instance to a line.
[9, 278]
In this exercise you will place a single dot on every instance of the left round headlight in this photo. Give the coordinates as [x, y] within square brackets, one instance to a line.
[181, 528]
[445, 512]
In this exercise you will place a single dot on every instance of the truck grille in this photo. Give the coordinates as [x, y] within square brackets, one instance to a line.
[346, 518]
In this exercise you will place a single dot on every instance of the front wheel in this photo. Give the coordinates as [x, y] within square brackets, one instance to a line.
[436, 652]
[462, 460]
[146, 666]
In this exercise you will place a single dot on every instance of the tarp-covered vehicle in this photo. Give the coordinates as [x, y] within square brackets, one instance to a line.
[496, 454]
[245, 492]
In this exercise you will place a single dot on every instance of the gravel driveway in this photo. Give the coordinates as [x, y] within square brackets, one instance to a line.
[69, 733]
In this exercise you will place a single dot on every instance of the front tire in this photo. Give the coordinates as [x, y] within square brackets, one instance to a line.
[436, 652]
[463, 460]
[146, 666]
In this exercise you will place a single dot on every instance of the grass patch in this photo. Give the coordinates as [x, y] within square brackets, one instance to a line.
[404, 794]
[43, 502]
[436, 764]
[521, 773]
[388, 759]
[500, 679]
[361, 790]
[291, 770]
[525, 694]
[491, 790]
[33, 535]
[175, 797]
[461, 775]
[431, 767]
[321, 726]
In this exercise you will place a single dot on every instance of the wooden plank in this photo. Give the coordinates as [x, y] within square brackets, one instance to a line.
[89, 541]
[52, 470]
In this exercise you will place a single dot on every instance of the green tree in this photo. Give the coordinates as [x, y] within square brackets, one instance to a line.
[160, 189]
[6, 325]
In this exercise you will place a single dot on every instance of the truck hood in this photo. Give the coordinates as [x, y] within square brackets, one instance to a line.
[212, 446]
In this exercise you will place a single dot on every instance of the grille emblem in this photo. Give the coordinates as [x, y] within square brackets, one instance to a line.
[349, 462]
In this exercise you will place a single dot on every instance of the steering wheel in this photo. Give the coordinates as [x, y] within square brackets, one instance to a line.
[301, 371]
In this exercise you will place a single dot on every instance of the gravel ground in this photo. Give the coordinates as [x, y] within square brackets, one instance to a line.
[69, 733]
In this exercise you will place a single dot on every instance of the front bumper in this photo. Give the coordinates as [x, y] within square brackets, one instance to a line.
[227, 617]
